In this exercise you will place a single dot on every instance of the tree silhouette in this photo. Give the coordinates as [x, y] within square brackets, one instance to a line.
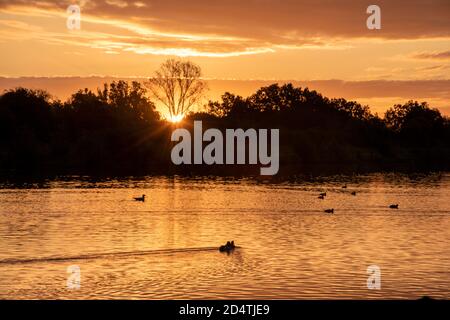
[117, 128]
[178, 85]
[129, 99]
[413, 116]
[26, 127]
[416, 123]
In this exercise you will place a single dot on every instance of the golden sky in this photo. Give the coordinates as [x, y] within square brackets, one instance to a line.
[236, 39]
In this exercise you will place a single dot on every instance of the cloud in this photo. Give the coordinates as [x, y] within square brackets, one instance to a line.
[443, 55]
[408, 89]
[235, 27]
[117, 3]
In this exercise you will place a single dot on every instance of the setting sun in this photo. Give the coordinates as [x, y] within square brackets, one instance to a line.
[176, 118]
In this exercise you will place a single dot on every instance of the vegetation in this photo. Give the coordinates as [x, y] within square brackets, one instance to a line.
[117, 130]
[178, 86]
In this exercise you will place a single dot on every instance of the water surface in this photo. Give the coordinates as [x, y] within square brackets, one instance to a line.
[165, 248]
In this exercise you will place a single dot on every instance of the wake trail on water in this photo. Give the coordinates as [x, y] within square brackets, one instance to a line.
[108, 254]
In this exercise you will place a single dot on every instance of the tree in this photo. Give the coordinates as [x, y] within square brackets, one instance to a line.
[27, 124]
[275, 98]
[25, 108]
[129, 99]
[178, 85]
[352, 108]
[416, 123]
[413, 116]
[231, 105]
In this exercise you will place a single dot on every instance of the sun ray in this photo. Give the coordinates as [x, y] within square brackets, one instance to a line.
[176, 118]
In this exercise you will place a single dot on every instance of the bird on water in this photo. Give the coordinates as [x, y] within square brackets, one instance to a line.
[142, 199]
[228, 247]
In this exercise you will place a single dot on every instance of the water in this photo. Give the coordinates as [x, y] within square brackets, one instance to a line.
[166, 248]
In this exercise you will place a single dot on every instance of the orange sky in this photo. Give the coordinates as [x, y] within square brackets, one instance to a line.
[254, 39]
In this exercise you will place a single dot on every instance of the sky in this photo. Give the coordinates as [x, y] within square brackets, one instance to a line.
[323, 43]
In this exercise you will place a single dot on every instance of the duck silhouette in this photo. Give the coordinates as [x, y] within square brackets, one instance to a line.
[321, 197]
[329, 211]
[353, 193]
[323, 194]
[227, 247]
[393, 206]
[142, 199]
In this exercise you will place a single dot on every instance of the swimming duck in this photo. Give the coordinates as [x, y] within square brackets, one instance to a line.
[321, 197]
[228, 247]
[140, 198]
[393, 206]
[323, 194]
[329, 211]
[353, 193]
[344, 186]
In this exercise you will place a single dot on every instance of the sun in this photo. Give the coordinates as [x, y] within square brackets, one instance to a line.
[176, 118]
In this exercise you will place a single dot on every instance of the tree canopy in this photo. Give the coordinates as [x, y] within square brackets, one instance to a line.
[118, 128]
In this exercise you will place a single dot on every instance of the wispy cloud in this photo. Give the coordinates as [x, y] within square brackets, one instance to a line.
[297, 39]
[232, 28]
[442, 55]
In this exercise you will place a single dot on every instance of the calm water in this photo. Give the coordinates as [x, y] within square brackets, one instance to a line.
[165, 248]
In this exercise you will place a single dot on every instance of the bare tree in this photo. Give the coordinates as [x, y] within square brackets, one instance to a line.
[178, 85]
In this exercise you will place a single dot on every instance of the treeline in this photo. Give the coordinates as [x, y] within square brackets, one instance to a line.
[118, 130]
[114, 128]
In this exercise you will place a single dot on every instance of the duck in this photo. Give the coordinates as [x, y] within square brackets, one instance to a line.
[393, 206]
[323, 194]
[227, 247]
[353, 193]
[329, 211]
[321, 197]
[344, 186]
[140, 198]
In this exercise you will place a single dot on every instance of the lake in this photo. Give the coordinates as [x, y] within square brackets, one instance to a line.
[166, 247]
